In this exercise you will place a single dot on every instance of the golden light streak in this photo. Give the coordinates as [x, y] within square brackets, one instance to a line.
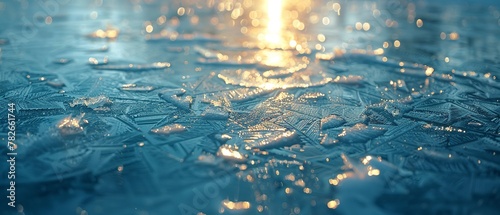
[230, 153]
[236, 205]
[273, 35]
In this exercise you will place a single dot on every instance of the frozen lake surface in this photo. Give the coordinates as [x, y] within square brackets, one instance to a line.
[152, 107]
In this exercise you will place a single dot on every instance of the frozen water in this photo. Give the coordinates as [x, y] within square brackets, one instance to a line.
[332, 121]
[135, 88]
[62, 61]
[231, 154]
[252, 106]
[96, 62]
[70, 125]
[92, 102]
[360, 133]
[133, 67]
[214, 113]
[169, 129]
[183, 103]
[277, 140]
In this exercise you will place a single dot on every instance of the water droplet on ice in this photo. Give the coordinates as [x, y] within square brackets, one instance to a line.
[207, 53]
[214, 113]
[474, 123]
[223, 138]
[349, 79]
[245, 94]
[95, 62]
[230, 153]
[169, 129]
[70, 125]
[134, 87]
[360, 133]
[171, 92]
[92, 102]
[311, 96]
[183, 103]
[332, 121]
[286, 138]
[133, 67]
[328, 141]
[207, 159]
[56, 83]
[63, 61]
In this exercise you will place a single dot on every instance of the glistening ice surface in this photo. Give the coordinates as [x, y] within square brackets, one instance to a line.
[251, 107]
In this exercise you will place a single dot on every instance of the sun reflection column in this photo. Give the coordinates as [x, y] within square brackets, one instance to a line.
[273, 36]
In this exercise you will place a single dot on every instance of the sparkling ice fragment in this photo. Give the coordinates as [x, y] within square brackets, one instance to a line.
[286, 138]
[70, 125]
[332, 121]
[230, 154]
[169, 129]
[92, 102]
